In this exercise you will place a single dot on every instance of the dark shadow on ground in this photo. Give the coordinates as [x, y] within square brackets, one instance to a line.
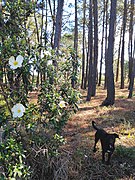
[91, 168]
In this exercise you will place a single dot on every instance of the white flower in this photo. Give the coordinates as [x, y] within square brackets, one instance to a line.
[62, 104]
[15, 63]
[18, 110]
[60, 53]
[47, 53]
[123, 165]
[49, 62]
[64, 60]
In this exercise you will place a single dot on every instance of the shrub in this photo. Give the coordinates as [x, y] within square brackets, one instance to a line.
[31, 132]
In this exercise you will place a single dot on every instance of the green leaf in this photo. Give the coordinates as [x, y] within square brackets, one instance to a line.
[20, 159]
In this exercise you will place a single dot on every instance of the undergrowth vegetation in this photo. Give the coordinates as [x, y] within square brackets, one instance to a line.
[32, 132]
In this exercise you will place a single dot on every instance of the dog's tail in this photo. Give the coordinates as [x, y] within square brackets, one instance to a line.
[94, 125]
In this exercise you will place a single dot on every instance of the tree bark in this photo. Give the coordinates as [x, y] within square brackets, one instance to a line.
[106, 40]
[123, 44]
[102, 42]
[131, 83]
[90, 49]
[53, 13]
[57, 36]
[118, 61]
[83, 49]
[94, 79]
[110, 99]
[75, 63]
[86, 76]
[131, 52]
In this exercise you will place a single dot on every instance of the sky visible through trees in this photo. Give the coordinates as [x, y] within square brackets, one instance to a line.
[69, 16]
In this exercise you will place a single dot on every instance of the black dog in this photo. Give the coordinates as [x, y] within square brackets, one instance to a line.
[107, 142]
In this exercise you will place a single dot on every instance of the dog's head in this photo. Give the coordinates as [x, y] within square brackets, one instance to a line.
[111, 143]
[116, 136]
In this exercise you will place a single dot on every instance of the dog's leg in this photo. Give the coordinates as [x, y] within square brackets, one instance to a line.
[103, 156]
[96, 140]
[109, 157]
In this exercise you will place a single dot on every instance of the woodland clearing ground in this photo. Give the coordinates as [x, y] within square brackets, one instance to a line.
[79, 160]
[119, 118]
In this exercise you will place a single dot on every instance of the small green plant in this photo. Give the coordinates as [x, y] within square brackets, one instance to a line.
[122, 151]
[57, 101]
[121, 97]
[125, 127]
[12, 159]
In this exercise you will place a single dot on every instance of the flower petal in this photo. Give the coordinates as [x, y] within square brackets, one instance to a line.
[11, 60]
[18, 110]
[21, 107]
[49, 62]
[16, 114]
[13, 63]
[62, 104]
[20, 114]
[19, 59]
[47, 53]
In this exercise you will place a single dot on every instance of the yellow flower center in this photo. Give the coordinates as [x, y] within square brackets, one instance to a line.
[62, 104]
[15, 63]
[18, 110]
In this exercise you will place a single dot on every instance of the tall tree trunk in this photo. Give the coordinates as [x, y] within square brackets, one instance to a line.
[1, 40]
[130, 44]
[123, 44]
[41, 38]
[53, 13]
[90, 49]
[131, 83]
[83, 49]
[131, 52]
[38, 40]
[94, 79]
[106, 41]
[118, 61]
[86, 76]
[58, 27]
[45, 40]
[110, 99]
[74, 64]
[46, 23]
[102, 43]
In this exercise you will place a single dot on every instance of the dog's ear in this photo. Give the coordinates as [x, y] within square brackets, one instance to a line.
[116, 135]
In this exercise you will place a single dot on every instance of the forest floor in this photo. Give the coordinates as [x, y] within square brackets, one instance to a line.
[78, 162]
